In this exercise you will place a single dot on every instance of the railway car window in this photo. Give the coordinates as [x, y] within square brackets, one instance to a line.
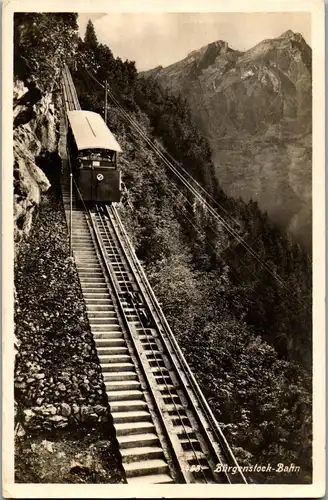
[97, 154]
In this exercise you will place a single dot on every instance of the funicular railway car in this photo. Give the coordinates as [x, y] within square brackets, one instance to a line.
[93, 150]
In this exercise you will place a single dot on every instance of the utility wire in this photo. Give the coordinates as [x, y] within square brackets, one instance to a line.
[198, 196]
[199, 229]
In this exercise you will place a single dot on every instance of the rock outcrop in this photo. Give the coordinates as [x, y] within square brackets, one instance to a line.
[255, 108]
[35, 137]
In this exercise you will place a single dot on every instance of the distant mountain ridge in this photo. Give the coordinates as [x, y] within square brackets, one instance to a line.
[255, 108]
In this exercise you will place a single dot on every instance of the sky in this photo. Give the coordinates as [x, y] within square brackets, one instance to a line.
[153, 39]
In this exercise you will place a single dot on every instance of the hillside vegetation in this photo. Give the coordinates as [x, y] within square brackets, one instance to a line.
[245, 327]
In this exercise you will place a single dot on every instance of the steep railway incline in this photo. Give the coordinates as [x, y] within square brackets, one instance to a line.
[137, 432]
[165, 429]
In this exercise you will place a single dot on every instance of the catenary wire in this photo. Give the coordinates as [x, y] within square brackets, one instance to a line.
[201, 199]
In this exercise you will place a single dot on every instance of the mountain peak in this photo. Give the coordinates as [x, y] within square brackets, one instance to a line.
[291, 35]
[206, 55]
[219, 46]
[287, 34]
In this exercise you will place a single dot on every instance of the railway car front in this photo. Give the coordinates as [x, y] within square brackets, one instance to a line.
[96, 169]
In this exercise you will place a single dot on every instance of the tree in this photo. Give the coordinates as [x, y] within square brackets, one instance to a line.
[43, 43]
[90, 38]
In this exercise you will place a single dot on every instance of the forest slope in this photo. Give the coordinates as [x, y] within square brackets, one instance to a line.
[245, 327]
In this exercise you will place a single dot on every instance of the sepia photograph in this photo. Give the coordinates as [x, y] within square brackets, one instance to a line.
[163, 252]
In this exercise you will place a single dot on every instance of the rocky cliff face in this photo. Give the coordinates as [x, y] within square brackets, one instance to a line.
[35, 139]
[255, 108]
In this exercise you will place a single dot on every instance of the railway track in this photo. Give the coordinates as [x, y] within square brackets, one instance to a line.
[165, 430]
[71, 100]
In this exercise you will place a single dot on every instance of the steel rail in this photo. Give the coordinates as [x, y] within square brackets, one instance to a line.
[69, 84]
[153, 304]
[177, 368]
[180, 356]
[159, 410]
[148, 337]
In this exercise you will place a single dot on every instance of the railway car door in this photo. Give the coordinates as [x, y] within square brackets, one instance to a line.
[107, 184]
[107, 179]
[86, 181]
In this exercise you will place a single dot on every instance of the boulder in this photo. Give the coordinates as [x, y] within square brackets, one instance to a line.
[65, 410]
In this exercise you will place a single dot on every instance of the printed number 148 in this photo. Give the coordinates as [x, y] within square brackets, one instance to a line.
[193, 468]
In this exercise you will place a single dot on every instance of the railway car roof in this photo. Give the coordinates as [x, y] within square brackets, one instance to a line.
[91, 132]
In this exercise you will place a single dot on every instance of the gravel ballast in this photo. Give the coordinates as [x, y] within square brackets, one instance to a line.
[59, 391]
